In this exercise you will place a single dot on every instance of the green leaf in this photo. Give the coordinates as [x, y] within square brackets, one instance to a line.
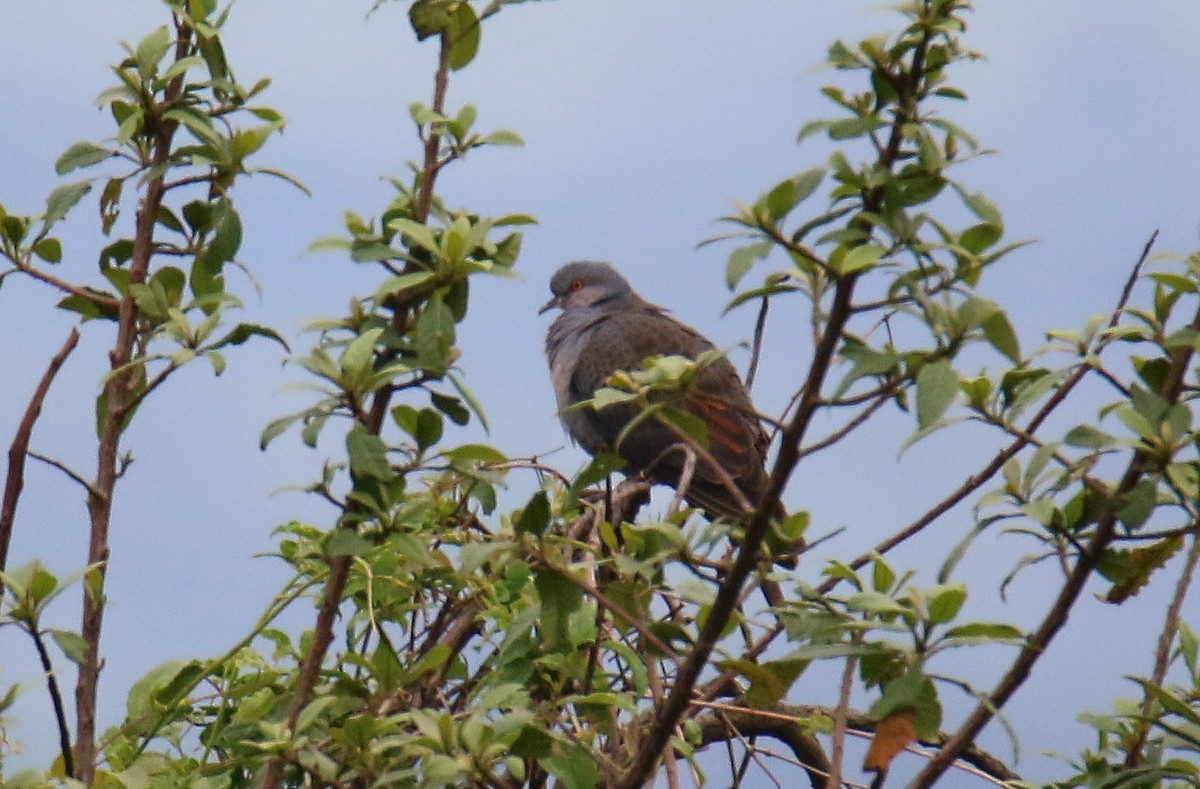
[140, 701]
[559, 599]
[368, 455]
[536, 515]
[911, 691]
[429, 428]
[451, 406]
[244, 331]
[1088, 437]
[859, 258]
[150, 50]
[462, 34]
[983, 208]
[61, 200]
[769, 681]
[358, 358]
[313, 711]
[1000, 334]
[875, 603]
[435, 336]
[790, 192]
[503, 137]
[998, 631]
[742, 259]
[937, 386]
[430, 17]
[474, 455]
[945, 601]
[49, 250]
[81, 154]
[979, 237]
[572, 765]
[344, 541]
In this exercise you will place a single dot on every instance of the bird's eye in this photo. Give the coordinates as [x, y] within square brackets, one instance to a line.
[576, 284]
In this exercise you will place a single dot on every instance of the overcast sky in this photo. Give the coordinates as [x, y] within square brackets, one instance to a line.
[643, 120]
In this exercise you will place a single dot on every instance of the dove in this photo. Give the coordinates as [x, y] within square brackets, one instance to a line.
[605, 327]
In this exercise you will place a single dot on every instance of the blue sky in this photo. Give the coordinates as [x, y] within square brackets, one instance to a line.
[643, 121]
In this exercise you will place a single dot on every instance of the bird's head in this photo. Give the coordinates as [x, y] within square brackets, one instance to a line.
[585, 283]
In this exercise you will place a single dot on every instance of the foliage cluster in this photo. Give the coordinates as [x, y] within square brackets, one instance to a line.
[574, 642]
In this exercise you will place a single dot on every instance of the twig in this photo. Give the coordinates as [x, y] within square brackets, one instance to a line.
[837, 755]
[67, 287]
[74, 476]
[846, 429]
[760, 324]
[14, 479]
[685, 476]
[790, 723]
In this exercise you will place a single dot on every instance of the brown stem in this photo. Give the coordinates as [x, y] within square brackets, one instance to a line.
[837, 751]
[121, 393]
[14, 479]
[810, 400]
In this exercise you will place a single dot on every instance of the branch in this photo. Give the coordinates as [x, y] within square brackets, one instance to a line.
[71, 474]
[119, 390]
[789, 724]
[67, 287]
[841, 719]
[14, 479]
[1162, 652]
[339, 566]
[1056, 617]
[56, 701]
[760, 325]
[977, 480]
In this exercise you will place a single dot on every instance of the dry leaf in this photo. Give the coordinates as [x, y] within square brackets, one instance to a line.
[893, 733]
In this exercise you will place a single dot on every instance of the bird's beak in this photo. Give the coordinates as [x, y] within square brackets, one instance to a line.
[554, 302]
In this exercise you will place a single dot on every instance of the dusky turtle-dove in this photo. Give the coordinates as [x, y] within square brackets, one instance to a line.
[605, 327]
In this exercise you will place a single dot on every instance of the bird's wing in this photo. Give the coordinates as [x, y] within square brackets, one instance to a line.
[735, 439]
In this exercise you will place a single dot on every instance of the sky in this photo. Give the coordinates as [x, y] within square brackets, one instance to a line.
[643, 121]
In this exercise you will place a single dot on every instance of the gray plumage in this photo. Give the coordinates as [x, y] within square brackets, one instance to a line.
[604, 327]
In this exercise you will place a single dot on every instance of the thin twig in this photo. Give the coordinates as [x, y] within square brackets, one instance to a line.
[73, 475]
[837, 753]
[760, 325]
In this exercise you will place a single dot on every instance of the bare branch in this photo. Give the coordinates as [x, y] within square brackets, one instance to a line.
[14, 479]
